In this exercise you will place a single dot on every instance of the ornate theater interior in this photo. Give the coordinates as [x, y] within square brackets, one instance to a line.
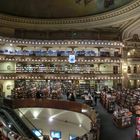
[70, 69]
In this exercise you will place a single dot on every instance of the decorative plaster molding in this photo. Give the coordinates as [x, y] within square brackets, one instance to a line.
[131, 30]
[8, 20]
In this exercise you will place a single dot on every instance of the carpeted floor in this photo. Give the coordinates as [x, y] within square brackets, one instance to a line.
[109, 131]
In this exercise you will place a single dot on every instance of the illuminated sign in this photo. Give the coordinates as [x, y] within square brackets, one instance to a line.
[71, 59]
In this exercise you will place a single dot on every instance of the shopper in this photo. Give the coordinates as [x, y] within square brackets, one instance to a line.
[71, 97]
[68, 93]
[88, 99]
[46, 137]
[85, 137]
[95, 98]
[38, 94]
[0, 135]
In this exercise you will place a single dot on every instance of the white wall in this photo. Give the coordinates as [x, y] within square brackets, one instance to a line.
[7, 67]
[8, 85]
[104, 68]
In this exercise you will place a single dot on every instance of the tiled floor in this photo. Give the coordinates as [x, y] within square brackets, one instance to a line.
[111, 132]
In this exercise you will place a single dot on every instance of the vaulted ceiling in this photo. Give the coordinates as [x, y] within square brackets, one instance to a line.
[58, 8]
[69, 19]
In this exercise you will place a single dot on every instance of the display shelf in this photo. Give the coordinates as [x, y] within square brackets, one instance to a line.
[111, 105]
[30, 68]
[138, 127]
[84, 87]
[122, 118]
[128, 99]
[54, 68]
[108, 101]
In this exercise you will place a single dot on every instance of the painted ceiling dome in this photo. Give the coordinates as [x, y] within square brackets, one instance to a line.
[50, 9]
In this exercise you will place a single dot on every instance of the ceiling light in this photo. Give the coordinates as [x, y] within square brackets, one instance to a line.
[84, 110]
[80, 125]
[36, 113]
[9, 125]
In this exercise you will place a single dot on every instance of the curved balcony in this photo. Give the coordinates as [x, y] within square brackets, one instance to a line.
[134, 76]
[56, 104]
[55, 59]
[134, 60]
[60, 76]
[64, 43]
[48, 103]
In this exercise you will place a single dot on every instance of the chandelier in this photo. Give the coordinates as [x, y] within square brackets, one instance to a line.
[85, 1]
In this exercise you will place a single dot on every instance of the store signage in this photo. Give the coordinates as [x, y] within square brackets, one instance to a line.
[71, 59]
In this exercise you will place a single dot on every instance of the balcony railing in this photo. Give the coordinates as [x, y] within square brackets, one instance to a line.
[45, 70]
[134, 59]
[45, 54]
[59, 104]
[134, 76]
[55, 59]
[42, 76]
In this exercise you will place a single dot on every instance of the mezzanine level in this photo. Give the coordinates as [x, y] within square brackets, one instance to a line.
[42, 76]
[55, 59]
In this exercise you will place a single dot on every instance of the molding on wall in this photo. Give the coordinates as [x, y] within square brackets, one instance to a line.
[131, 30]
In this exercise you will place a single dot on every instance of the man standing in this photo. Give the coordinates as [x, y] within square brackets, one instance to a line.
[95, 98]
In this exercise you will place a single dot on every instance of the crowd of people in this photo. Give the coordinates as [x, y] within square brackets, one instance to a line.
[89, 98]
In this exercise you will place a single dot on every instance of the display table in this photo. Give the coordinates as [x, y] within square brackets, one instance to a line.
[122, 118]
[138, 126]
[137, 113]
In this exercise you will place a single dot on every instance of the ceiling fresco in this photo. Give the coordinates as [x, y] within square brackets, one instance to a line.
[58, 8]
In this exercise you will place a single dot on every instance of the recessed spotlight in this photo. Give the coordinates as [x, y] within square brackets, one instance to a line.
[50, 119]
[80, 125]
[84, 110]
[9, 125]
